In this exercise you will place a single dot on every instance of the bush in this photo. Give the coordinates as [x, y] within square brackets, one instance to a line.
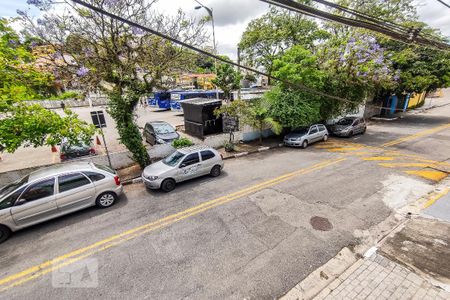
[229, 146]
[66, 95]
[182, 142]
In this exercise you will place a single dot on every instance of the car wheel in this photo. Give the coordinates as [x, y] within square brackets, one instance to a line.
[350, 134]
[305, 144]
[364, 130]
[5, 232]
[215, 171]
[168, 185]
[325, 137]
[106, 199]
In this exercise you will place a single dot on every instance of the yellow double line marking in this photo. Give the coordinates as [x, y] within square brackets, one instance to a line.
[74, 256]
[416, 135]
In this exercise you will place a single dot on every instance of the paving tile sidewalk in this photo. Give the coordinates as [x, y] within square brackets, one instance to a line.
[377, 277]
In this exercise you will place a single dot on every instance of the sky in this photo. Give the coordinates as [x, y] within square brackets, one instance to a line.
[232, 16]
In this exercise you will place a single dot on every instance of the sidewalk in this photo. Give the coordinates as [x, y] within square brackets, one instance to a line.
[412, 261]
[377, 277]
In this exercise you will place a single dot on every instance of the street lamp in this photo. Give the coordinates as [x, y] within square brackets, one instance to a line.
[210, 12]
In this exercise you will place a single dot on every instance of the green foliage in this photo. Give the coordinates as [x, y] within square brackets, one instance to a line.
[66, 95]
[227, 79]
[120, 107]
[257, 114]
[182, 142]
[19, 79]
[122, 61]
[32, 125]
[268, 37]
[229, 146]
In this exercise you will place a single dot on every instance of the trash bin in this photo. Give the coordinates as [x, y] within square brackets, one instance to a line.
[199, 118]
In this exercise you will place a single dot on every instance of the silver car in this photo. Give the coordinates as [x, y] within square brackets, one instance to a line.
[183, 164]
[302, 137]
[55, 191]
[349, 126]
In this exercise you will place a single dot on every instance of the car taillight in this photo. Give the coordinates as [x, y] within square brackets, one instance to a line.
[117, 180]
[62, 156]
[92, 151]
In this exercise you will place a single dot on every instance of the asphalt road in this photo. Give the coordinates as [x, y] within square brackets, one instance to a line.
[246, 234]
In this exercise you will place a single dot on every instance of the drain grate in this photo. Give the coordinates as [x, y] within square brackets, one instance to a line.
[319, 223]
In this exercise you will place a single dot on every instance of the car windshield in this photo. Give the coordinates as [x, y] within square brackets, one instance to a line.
[345, 121]
[12, 186]
[163, 128]
[173, 159]
[300, 130]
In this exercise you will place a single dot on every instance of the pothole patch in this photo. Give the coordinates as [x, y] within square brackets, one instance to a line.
[320, 223]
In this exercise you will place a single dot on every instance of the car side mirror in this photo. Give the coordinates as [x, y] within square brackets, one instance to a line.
[20, 202]
[182, 165]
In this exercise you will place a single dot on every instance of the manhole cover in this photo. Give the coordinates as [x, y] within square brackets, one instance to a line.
[319, 223]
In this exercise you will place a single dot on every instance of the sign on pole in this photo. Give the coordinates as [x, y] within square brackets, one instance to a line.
[98, 118]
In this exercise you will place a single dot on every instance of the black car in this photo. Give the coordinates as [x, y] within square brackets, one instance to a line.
[68, 151]
[159, 132]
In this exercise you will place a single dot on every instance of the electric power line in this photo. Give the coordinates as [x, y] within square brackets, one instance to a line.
[411, 36]
[444, 3]
[183, 44]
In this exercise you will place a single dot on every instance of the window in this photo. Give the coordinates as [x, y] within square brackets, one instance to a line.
[72, 181]
[94, 176]
[313, 130]
[321, 128]
[356, 122]
[173, 158]
[207, 155]
[191, 159]
[9, 201]
[39, 190]
[105, 168]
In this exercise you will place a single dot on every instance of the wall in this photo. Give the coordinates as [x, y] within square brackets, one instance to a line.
[119, 160]
[53, 104]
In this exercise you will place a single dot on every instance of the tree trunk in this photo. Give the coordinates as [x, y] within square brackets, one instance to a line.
[121, 110]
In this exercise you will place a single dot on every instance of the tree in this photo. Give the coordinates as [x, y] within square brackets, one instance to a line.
[257, 114]
[19, 79]
[268, 37]
[124, 62]
[228, 79]
[24, 124]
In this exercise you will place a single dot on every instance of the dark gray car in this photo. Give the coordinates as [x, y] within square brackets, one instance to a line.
[159, 132]
[349, 126]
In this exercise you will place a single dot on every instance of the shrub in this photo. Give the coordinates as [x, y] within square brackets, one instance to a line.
[229, 146]
[182, 142]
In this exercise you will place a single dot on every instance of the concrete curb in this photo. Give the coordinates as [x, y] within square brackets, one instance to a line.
[325, 277]
[237, 155]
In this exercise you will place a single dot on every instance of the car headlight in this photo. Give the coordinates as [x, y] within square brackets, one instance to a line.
[160, 141]
[151, 178]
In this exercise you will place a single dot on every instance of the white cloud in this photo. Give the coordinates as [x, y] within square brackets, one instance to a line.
[232, 16]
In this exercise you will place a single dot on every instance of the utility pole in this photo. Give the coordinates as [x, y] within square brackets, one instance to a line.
[210, 12]
[239, 70]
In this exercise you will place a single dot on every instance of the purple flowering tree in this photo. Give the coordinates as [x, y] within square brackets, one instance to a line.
[124, 62]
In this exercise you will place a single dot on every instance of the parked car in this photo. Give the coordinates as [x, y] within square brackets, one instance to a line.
[183, 164]
[349, 126]
[159, 132]
[68, 151]
[55, 191]
[302, 137]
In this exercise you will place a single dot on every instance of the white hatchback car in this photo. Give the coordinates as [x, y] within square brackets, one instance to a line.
[183, 164]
